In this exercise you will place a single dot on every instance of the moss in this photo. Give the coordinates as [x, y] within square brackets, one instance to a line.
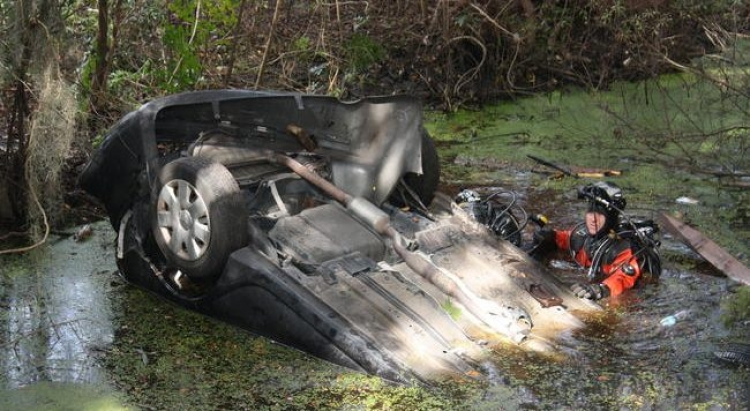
[642, 130]
[736, 309]
[202, 364]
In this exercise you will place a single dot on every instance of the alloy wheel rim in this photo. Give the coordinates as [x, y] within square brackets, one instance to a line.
[183, 220]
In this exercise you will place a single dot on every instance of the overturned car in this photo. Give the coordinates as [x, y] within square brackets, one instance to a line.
[316, 222]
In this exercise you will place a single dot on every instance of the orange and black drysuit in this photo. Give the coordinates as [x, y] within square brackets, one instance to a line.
[609, 258]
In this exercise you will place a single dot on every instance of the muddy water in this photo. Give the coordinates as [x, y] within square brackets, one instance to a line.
[628, 358]
[57, 320]
[74, 336]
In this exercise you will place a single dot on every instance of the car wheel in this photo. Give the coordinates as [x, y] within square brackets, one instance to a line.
[422, 185]
[198, 216]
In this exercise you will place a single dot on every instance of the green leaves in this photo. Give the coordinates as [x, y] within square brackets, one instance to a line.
[362, 52]
[194, 28]
[183, 67]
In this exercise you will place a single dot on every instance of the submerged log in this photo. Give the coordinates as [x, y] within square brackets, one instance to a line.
[709, 250]
[737, 353]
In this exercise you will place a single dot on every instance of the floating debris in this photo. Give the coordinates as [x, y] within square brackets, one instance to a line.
[686, 200]
[673, 319]
[83, 233]
[717, 256]
[734, 353]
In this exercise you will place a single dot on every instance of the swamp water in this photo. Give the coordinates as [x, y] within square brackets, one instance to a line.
[75, 336]
[57, 318]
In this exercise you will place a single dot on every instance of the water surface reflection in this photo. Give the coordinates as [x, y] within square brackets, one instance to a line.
[57, 316]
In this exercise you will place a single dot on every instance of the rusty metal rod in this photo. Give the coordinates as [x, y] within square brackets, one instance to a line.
[515, 330]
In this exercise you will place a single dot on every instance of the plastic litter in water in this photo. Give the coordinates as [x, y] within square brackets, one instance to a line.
[686, 200]
[673, 319]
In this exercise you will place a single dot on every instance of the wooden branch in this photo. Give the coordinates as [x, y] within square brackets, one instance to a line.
[470, 74]
[709, 250]
[268, 43]
[484, 14]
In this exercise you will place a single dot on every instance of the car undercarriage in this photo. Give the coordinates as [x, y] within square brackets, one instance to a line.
[317, 223]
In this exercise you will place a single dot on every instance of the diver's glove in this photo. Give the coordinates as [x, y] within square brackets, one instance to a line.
[542, 243]
[590, 291]
[544, 236]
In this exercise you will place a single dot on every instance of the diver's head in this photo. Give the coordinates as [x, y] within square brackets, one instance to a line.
[598, 220]
[606, 202]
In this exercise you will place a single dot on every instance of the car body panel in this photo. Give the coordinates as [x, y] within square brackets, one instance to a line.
[373, 141]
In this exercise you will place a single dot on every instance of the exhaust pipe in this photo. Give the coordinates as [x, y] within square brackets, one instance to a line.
[512, 322]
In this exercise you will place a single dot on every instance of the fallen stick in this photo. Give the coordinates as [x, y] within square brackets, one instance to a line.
[583, 173]
[709, 250]
[551, 165]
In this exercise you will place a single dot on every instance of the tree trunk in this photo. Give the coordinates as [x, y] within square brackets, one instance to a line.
[234, 47]
[18, 115]
[99, 80]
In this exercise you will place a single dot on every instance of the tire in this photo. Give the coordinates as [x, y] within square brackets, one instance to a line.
[198, 216]
[423, 185]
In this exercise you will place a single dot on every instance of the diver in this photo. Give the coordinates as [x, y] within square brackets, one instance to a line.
[617, 252]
